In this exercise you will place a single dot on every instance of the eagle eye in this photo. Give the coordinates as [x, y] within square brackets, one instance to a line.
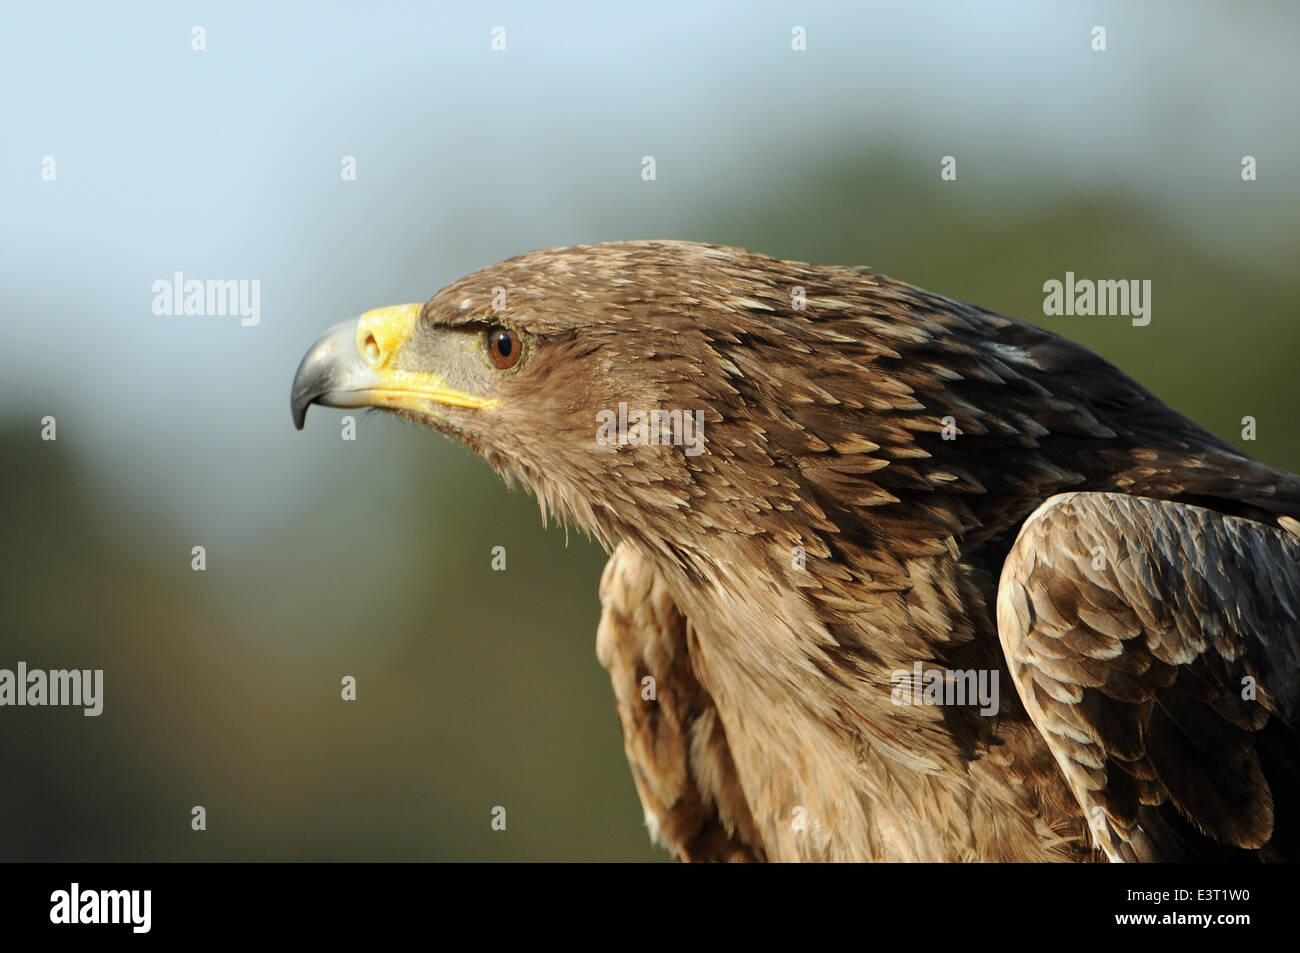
[503, 347]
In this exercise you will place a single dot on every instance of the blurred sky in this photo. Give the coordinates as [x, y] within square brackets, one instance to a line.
[225, 163]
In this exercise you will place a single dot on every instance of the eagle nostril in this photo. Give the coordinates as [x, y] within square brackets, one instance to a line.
[371, 350]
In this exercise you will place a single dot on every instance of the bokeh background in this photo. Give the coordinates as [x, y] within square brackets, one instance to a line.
[372, 558]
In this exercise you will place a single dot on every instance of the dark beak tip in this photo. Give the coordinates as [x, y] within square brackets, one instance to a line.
[298, 404]
[325, 367]
[308, 384]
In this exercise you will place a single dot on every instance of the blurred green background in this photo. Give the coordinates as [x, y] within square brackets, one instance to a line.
[372, 558]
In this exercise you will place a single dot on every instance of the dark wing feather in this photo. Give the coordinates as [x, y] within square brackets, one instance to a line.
[1135, 630]
[675, 741]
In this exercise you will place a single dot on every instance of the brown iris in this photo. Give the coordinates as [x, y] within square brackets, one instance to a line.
[504, 347]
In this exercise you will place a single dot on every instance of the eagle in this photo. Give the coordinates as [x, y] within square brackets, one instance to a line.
[891, 577]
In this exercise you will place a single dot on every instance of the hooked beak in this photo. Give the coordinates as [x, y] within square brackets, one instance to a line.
[353, 364]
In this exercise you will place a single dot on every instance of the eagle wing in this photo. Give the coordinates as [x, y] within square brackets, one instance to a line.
[1156, 646]
[673, 736]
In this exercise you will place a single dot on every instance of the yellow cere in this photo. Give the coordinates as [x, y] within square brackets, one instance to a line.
[381, 332]
[380, 335]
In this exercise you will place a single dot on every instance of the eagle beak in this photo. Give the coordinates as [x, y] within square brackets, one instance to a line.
[353, 364]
